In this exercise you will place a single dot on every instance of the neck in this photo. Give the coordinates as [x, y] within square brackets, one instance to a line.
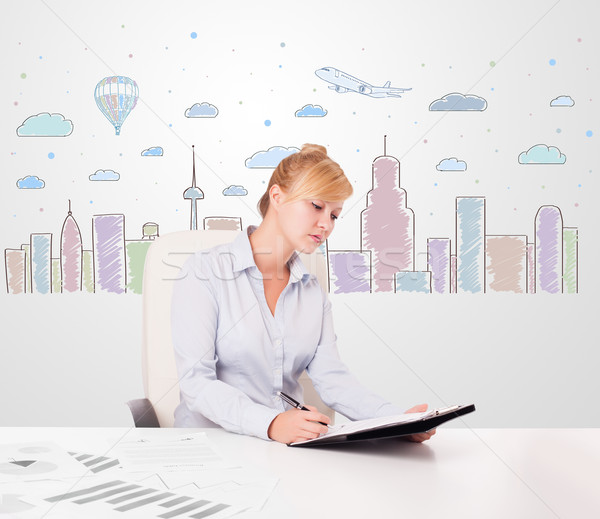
[270, 249]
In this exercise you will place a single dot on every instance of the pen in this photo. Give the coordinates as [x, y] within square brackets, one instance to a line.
[295, 403]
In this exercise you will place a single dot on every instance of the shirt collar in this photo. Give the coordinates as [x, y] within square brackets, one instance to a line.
[243, 258]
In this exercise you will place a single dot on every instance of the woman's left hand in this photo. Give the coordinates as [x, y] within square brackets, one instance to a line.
[419, 437]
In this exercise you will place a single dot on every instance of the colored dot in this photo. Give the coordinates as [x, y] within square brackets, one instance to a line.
[435, 184]
[279, 66]
[40, 57]
[558, 130]
[23, 75]
[492, 63]
[240, 102]
[193, 35]
[131, 55]
[578, 185]
[267, 123]
[552, 62]
[489, 130]
[576, 204]
[314, 90]
[477, 181]
[353, 113]
[422, 64]
[492, 89]
[579, 40]
[50, 155]
[41, 209]
[589, 133]
[425, 141]
[357, 150]
[416, 122]
[282, 44]
[16, 103]
[543, 187]
[91, 201]
[122, 27]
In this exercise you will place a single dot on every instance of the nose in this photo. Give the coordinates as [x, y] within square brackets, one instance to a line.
[325, 223]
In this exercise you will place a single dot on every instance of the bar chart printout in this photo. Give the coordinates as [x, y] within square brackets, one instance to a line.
[116, 498]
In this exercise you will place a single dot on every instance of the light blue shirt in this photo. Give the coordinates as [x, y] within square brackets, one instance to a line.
[233, 355]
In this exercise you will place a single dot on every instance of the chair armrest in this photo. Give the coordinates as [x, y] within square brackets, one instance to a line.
[143, 413]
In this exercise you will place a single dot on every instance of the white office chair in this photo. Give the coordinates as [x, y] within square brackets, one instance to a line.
[165, 257]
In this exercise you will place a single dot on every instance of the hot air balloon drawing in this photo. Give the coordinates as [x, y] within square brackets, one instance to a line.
[116, 96]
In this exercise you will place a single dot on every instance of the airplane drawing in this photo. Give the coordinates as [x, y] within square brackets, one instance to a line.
[342, 83]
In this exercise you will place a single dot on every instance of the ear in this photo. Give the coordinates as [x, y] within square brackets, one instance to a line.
[276, 196]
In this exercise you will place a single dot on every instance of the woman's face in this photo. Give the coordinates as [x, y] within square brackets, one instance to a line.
[308, 223]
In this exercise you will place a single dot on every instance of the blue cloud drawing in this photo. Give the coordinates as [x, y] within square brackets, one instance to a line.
[104, 175]
[562, 101]
[45, 125]
[235, 191]
[456, 102]
[452, 164]
[155, 151]
[542, 154]
[202, 110]
[30, 182]
[270, 158]
[311, 111]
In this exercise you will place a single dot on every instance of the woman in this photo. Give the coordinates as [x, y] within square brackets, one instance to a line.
[248, 319]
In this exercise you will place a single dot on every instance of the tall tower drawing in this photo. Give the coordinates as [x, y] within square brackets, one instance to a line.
[470, 244]
[108, 231]
[71, 254]
[193, 194]
[548, 249]
[387, 225]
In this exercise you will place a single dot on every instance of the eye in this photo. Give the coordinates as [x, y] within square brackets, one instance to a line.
[317, 207]
[334, 217]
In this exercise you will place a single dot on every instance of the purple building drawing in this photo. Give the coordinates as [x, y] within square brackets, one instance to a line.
[387, 225]
[438, 263]
[71, 254]
[350, 271]
[108, 232]
[548, 250]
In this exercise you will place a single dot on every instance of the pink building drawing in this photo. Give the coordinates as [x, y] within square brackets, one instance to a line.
[71, 254]
[387, 225]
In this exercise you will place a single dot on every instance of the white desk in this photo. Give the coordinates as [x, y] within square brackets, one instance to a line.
[482, 473]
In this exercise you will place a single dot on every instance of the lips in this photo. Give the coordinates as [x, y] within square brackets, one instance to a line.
[316, 237]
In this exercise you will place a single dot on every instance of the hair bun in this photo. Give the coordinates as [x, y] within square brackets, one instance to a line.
[311, 148]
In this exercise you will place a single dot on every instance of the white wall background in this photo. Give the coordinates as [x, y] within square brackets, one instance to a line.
[525, 361]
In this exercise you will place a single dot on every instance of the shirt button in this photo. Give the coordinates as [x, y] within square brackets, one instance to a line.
[278, 342]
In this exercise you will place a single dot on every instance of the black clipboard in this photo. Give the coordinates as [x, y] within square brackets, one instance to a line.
[402, 425]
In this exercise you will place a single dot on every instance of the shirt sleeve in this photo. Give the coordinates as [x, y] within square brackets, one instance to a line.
[194, 322]
[337, 387]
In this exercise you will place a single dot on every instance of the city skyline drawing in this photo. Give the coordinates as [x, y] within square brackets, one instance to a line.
[471, 261]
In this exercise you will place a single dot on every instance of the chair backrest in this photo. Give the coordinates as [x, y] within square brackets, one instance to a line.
[165, 257]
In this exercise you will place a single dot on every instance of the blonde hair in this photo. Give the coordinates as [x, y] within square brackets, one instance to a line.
[309, 173]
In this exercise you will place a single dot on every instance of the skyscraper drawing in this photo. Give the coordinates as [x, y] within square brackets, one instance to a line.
[548, 249]
[41, 262]
[506, 264]
[470, 244]
[193, 194]
[570, 260]
[438, 262]
[387, 224]
[14, 265]
[108, 231]
[71, 254]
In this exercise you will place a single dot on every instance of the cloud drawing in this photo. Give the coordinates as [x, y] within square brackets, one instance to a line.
[202, 110]
[30, 182]
[155, 151]
[235, 191]
[542, 154]
[45, 125]
[456, 102]
[270, 158]
[103, 175]
[562, 101]
[311, 111]
[452, 164]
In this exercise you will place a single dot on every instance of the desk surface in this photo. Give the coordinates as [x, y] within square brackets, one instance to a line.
[480, 473]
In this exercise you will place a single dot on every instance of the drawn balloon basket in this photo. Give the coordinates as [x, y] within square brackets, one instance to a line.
[116, 96]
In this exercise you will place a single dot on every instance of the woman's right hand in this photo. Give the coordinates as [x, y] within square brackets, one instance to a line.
[296, 425]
